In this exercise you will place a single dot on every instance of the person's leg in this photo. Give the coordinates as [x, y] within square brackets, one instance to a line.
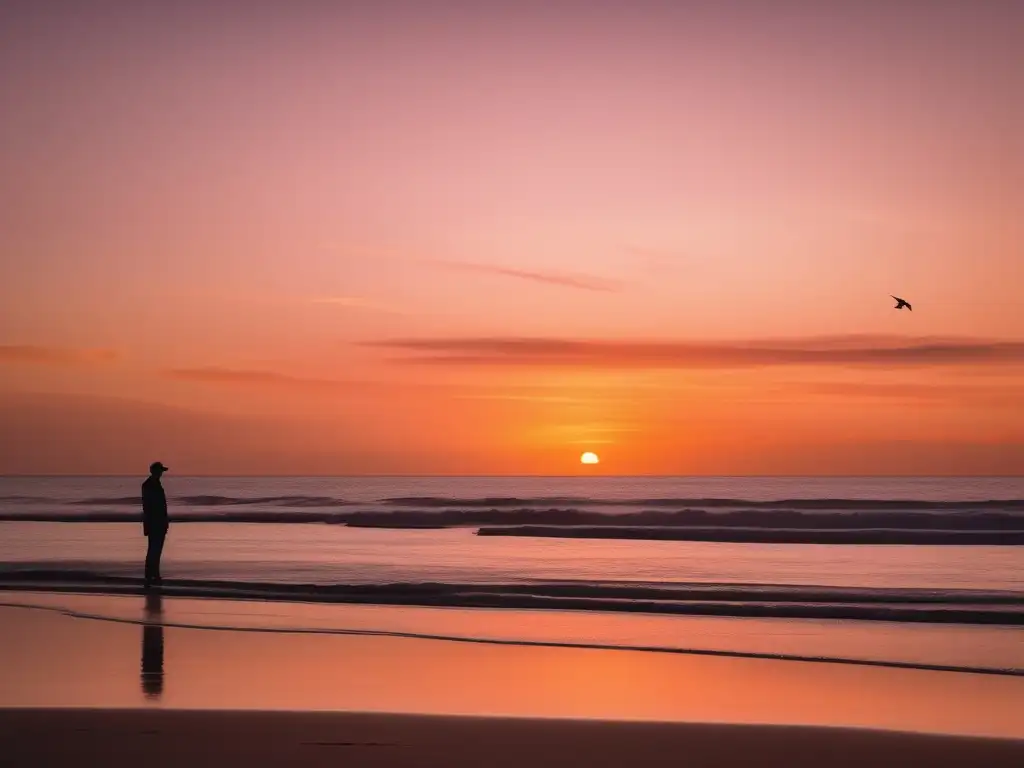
[160, 538]
[150, 548]
[153, 552]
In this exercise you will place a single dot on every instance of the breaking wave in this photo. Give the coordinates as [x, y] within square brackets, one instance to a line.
[514, 502]
[986, 516]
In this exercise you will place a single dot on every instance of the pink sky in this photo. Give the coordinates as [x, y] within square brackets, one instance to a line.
[482, 237]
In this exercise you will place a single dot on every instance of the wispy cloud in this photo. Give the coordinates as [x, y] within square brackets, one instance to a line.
[893, 351]
[356, 302]
[42, 355]
[243, 377]
[564, 279]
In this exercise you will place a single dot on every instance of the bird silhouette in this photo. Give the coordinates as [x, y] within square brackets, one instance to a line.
[901, 303]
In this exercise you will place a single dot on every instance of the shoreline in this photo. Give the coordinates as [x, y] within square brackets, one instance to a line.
[759, 601]
[117, 737]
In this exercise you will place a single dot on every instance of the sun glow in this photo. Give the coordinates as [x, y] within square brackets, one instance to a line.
[589, 458]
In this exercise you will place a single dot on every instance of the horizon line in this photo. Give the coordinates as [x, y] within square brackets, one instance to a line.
[513, 476]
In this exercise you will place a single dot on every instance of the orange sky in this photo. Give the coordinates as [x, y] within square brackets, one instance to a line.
[450, 237]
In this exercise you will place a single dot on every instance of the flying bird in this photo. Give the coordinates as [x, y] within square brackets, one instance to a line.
[901, 303]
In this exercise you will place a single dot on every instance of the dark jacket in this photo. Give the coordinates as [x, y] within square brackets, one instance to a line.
[154, 507]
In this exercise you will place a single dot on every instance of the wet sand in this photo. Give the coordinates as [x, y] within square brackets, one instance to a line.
[80, 691]
[116, 738]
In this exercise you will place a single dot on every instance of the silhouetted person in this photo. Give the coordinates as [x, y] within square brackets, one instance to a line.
[153, 647]
[154, 521]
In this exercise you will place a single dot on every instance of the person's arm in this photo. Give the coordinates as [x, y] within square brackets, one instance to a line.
[147, 508]
[156, 508]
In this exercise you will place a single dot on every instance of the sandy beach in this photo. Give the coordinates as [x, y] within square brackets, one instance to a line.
[255, 739]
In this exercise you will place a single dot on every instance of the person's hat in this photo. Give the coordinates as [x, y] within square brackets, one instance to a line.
[157, 466]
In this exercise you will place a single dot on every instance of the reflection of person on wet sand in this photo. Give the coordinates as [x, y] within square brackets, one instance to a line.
[153, 647]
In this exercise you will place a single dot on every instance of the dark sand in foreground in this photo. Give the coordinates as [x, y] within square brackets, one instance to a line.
[85, 737]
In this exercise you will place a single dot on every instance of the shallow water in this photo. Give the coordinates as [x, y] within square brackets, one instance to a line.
[453, 566]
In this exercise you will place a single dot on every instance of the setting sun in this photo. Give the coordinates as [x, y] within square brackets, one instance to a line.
[589, 458]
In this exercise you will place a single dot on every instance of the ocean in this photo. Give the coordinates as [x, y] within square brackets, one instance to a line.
[414, 541]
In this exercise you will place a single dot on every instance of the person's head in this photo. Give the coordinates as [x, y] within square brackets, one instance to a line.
[156, 469]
